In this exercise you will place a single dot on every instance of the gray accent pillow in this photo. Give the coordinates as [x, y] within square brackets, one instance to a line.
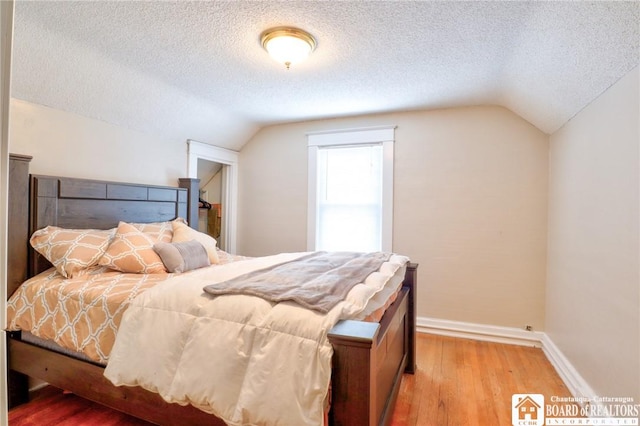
[182, 257]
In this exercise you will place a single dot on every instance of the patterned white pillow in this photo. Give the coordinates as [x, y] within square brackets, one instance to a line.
[71, 251]
[131, 251]
[159, 232]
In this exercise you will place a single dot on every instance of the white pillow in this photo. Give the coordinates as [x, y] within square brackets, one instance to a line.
[182, 232]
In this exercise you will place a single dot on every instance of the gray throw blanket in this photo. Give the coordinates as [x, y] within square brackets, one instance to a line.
[318, 281]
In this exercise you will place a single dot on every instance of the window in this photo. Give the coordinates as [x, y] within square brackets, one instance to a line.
[349, 198]
[351, 190]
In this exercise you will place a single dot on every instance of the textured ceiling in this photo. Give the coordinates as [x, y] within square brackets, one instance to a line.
[197, 70]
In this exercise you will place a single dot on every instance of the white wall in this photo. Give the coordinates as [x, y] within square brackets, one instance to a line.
[6, 37]
[214, 188]
[470, 206]
[67, 144]
[593, 289]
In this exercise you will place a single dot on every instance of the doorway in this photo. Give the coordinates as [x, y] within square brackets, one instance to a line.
[211, 199]
[218, 168]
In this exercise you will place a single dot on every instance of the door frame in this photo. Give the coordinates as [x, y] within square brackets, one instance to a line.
[229, 159]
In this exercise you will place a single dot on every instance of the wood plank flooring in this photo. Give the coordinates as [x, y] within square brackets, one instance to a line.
[459, 382]
[52, 407]
[467, 382]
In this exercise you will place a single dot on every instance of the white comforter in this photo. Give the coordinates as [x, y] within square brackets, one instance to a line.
[246, 360]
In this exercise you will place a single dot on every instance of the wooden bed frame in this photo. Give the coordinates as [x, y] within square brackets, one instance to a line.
[369, 358]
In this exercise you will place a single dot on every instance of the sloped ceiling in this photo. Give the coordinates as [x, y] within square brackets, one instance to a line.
[197, 70]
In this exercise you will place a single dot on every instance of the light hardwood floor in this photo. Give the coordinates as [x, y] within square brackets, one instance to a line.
[459, 382]
[467, 382]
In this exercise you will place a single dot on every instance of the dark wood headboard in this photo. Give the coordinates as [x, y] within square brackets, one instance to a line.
[83, 204]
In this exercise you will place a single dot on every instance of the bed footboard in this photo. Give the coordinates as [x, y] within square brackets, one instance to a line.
[369, 360]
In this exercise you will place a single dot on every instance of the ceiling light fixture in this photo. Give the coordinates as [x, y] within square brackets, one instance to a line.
[288, 45]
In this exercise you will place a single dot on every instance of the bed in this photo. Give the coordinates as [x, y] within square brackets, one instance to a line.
[368, 358]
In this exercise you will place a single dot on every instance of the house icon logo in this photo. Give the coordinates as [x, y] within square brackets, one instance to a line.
[527, 410]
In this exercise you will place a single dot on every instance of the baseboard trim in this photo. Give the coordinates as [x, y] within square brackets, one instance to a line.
[576, 384]
[488, 333]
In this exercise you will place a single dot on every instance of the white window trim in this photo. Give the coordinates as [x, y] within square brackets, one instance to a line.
[346, 137]
[229, 158]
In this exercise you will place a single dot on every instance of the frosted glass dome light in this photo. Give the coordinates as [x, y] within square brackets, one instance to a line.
[288, 45]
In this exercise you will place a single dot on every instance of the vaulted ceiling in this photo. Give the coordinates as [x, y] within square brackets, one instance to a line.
[197, 70]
